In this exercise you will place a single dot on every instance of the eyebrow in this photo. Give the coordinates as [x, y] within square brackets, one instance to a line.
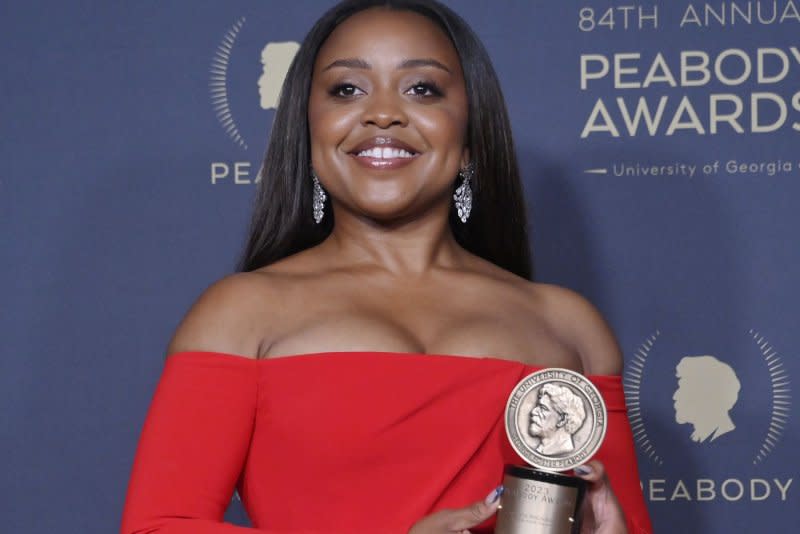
[357, 63]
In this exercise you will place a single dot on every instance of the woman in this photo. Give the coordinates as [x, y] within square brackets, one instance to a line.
[352, 378]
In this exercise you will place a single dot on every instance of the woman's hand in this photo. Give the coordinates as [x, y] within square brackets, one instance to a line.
[461, 519]
[602, 513]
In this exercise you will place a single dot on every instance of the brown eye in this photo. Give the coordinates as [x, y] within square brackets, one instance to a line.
[425, 89]
[345, 90]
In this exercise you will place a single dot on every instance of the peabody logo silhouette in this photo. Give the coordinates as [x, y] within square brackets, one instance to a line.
[707, 391]
[276, 57]
[707, 395]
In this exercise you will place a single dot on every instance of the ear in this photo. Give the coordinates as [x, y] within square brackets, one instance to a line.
[562, 420]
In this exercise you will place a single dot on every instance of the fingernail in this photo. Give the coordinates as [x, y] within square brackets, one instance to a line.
[584, 470]
[494, 495]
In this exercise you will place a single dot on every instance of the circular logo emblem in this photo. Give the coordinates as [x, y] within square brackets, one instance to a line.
[555, 419]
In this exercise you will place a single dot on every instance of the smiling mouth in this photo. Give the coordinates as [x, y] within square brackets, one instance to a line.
[385, 153]
[380, 153]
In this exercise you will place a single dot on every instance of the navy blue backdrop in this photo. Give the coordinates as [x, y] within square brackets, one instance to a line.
[659, 144]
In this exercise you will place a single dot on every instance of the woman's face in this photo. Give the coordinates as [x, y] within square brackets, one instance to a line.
[388, 115]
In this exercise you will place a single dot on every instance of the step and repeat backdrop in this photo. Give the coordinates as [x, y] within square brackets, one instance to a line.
[660, 149]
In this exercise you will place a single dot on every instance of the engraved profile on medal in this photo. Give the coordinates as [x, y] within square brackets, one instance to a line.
[555, 418]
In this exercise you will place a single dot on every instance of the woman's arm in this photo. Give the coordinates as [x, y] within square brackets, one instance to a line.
[580, 326]
[198, 428]
[192, 447]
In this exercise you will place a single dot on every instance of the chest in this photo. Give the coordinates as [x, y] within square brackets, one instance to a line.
[469, 320]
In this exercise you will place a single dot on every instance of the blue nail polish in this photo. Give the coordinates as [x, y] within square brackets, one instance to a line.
[494, 495]
[583, 470]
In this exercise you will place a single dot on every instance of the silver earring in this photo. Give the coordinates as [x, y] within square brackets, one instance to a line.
[463, 195]
[318, 199]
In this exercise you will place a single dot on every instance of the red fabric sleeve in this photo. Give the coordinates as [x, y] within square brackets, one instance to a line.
[619, 456]
[192, 447]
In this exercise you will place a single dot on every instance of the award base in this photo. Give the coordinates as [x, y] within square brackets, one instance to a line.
[539, 502]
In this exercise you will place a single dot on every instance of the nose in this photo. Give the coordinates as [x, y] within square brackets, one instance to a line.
[383, 110]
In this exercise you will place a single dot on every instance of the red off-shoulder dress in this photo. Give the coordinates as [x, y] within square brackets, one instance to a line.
[337, 442]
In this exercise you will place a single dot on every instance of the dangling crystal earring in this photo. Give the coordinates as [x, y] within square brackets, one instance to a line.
[463, 195]
[318, 199]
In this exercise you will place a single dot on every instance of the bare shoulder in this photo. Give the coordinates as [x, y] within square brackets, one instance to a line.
[227, 317]
[580, 325]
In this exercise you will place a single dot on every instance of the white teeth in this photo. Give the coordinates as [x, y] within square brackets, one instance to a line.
[385, 153]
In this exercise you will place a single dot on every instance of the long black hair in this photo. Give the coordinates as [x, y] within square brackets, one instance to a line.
[282, 222]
